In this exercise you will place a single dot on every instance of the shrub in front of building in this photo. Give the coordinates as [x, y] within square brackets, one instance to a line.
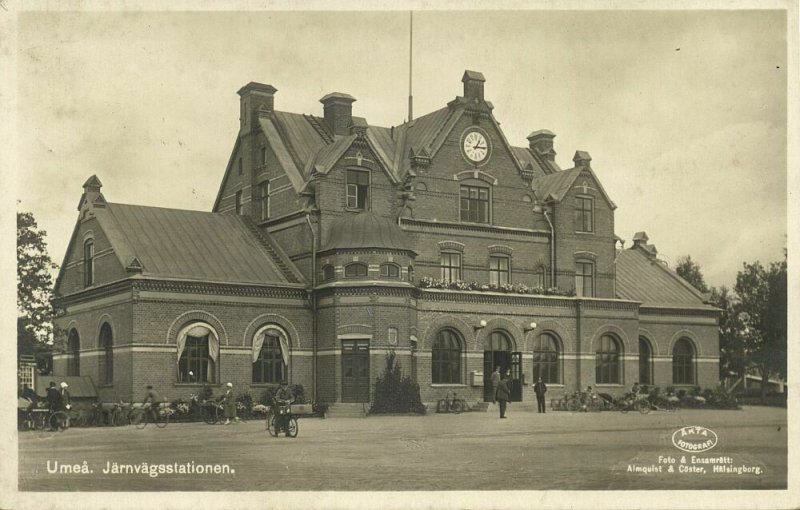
[395, 392]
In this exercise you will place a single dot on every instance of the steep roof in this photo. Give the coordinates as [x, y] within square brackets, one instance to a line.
[640, 277]
[193, 245]
[556, 185]
[365, 230]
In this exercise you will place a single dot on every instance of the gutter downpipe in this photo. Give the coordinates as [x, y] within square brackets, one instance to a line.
[552, 249]
[313, 299]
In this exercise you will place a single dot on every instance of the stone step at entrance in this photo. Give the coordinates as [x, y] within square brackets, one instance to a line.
[346, 410]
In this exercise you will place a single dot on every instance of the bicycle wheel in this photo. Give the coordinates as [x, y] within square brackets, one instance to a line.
[162, 420]
[573, 404]
[210, 414]
[291, 427]
[58, 421]
[272, 425]
[457, 406]
[268, 421]
[622, 406]
[76, 419]
[139, 418]
[642, 406]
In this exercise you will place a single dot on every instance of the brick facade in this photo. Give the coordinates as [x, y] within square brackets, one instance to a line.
[391, 313]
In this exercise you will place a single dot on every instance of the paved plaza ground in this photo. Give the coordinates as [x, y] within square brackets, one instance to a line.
[470, 451]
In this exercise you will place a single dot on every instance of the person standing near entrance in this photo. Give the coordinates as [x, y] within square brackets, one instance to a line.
[495, 382]
[503, 395]
[540, 389]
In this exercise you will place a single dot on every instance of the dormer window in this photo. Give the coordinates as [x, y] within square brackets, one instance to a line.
[88, 262]
[357, 189]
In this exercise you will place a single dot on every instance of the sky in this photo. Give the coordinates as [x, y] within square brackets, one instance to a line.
[683, 112]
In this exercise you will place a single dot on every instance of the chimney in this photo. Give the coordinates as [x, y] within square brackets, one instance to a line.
[255, 99]
[473, 85]
[542, 142]
[582, 159]
[640, 239]
[338, 112]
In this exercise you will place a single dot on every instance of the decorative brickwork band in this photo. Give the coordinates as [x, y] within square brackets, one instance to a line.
[451, 245]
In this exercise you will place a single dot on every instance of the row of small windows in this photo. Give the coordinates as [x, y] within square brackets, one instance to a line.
[447, 350]
[475, 201]
[499, 269]
[360, 270]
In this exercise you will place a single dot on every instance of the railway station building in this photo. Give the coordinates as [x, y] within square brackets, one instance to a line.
[333, 242]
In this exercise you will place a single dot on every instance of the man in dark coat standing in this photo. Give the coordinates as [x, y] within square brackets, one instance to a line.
[503, 395]
[540, 389]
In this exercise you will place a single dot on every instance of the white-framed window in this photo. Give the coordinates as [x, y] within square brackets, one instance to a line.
[584, 278]
[499, 270]
[451, 266]
[357, 189]
[475, 204]
[584, 214]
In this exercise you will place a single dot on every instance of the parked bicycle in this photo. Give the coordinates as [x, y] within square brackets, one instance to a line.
[452, 404]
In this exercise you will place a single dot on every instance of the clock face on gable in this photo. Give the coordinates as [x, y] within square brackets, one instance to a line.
[475, 146]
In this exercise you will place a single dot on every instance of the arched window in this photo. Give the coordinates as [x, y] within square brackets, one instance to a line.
[390, 271]
[73, 353]
[88, 262]
[106, 343]
[683, 362]
[355, 270]
[198, 350]
[269, 366]
[499, 341]
[328, 273]
[546, 359]
[645, 361]
[446, 358]
[607, 368]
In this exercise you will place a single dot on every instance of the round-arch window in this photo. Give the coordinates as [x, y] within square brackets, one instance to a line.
[446, 358]
[645, 362]
[683, 362]
[107, 355]
[546, 359]
[499, 341]
[73, 353]
[607, 367]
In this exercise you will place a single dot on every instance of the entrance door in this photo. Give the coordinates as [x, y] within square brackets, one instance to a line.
[516, 377]
[498, 355]
[355, 371]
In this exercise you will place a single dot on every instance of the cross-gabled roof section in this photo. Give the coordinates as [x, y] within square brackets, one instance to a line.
[554, 187]
[194, 245]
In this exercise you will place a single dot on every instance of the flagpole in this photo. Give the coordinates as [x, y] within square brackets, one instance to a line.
[410, 60]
